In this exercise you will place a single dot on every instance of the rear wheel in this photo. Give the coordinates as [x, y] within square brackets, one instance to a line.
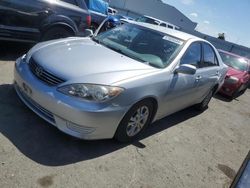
[56, 33]
[204, 104]
[135, 121]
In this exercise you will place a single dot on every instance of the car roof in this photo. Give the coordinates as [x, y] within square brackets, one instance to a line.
[172, 32]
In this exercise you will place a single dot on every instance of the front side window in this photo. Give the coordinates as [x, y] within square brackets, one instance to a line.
[148, 46]
[192, 55]
[210, 58]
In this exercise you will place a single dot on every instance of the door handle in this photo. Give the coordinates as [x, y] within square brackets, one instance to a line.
[198, 78]
[217, 73]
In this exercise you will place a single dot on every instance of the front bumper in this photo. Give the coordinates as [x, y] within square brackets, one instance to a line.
[78, 118]
[229, 89]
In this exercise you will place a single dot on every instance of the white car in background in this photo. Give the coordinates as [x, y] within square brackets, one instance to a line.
[155, 21]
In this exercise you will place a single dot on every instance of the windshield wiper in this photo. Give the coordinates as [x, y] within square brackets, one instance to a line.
[96, 40]
[131, 56]
[115, 49]
[126, 54]
[153, 65]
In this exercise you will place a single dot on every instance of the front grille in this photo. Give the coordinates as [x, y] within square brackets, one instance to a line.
[43, 74]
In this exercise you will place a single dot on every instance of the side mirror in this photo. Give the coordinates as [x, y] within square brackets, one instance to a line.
[186, 69]
[88, 33]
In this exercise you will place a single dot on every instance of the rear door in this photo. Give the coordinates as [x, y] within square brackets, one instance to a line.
[22, 19]
[209, 70]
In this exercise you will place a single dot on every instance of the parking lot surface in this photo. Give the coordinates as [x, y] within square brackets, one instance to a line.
[186, 149]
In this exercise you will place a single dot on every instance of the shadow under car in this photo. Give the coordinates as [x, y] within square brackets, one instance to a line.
[45, 144]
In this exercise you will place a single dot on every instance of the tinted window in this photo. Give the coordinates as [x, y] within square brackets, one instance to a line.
[192, 55]
[163, 24]
[210, 58]
[73, 2]
[170, 26]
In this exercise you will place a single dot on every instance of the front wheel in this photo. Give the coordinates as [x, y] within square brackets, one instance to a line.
[134, 122]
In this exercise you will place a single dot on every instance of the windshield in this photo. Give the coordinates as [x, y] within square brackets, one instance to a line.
[145, 45]
[234, 62]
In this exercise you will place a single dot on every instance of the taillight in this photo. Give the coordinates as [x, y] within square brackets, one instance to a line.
[88, 20]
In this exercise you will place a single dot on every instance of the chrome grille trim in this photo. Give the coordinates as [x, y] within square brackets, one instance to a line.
[44, 75]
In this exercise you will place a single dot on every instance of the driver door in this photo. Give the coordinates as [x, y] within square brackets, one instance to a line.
[183, 89]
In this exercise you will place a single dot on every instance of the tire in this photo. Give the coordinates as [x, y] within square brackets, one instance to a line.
[132, 125]
[241, 90]
[204, 104]
[56, 33]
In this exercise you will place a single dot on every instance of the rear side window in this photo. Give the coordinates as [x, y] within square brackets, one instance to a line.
[210, 58]
[192, 55]
[170, 26]
[163, 25]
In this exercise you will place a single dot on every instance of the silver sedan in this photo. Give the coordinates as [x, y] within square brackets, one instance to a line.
[116, 83]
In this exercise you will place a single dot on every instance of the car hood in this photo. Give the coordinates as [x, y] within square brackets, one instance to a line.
[235, 73]
[76, 59]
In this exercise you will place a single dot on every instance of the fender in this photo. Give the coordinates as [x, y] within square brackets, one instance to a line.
[58, 20]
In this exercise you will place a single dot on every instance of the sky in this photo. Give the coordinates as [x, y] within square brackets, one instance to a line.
[231, 17]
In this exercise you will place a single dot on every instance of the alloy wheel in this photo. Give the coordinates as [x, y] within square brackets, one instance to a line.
[137, 121]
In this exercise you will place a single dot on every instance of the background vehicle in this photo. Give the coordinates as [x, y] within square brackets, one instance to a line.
[110, 22]
[119, 16]
[36, 20]
[242, 178]
[112, 11]
[155, 21]
[141, 74]
[98, 10]
[238, 75]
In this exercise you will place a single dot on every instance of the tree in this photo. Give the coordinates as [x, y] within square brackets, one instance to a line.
[221, 36]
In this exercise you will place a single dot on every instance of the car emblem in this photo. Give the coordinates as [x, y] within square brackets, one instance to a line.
[39, 71]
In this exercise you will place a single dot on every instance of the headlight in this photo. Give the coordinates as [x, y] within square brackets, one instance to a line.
[91, 92]
[28, 55]
[231, 80]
